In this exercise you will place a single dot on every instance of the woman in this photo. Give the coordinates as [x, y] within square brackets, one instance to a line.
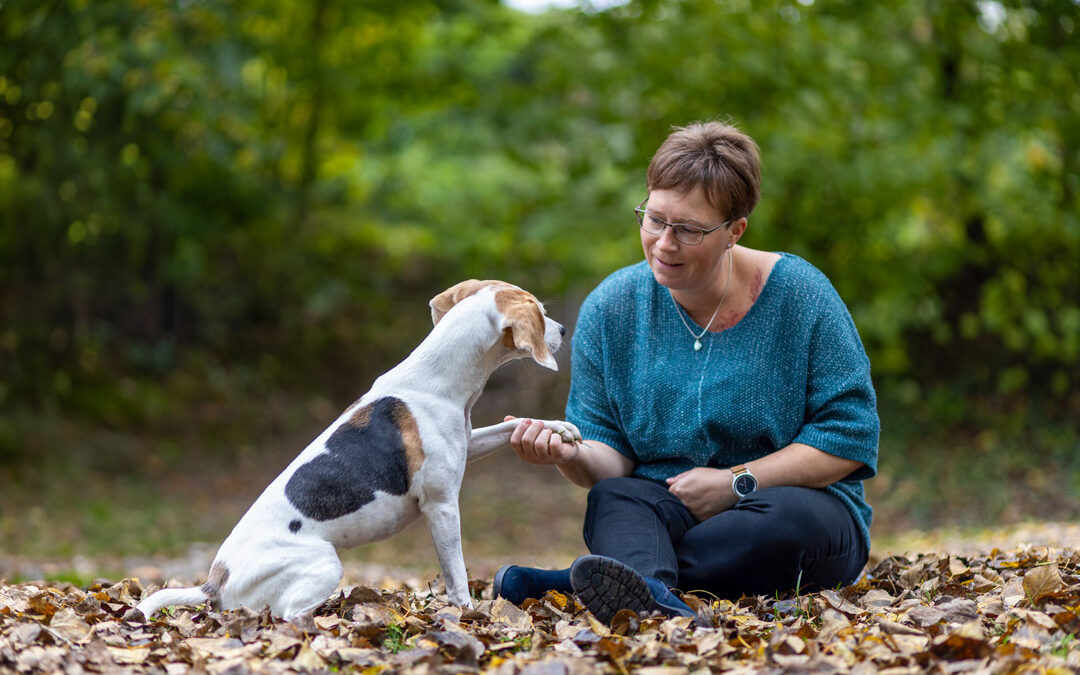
[725, 400]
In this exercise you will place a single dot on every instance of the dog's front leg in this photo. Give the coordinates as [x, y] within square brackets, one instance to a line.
[487, 440]
[445, 526]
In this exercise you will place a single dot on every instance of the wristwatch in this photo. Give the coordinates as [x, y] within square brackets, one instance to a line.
[742, 481]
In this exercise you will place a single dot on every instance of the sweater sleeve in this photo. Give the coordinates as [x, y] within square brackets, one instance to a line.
[589, 405]
[841, 406]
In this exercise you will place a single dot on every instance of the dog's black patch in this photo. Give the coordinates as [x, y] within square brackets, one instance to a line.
[295, 526]
[365, 455]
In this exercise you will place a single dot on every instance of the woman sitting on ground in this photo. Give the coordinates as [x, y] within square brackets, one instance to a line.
[725, 400]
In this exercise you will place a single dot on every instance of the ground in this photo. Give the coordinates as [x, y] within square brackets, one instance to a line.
[994, 604]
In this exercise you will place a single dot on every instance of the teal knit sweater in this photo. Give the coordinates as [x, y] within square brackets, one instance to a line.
[792, 371]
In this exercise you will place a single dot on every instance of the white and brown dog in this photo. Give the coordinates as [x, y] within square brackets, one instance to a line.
[397, 452]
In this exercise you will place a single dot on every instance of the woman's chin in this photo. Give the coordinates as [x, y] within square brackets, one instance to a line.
[667, 275]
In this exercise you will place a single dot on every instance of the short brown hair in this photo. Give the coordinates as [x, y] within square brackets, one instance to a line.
[716, 156]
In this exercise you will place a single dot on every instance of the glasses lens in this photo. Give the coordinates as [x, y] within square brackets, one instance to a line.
[649, 223]
[691, 236]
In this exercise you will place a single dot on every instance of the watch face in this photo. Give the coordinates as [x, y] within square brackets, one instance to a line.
[745, 484]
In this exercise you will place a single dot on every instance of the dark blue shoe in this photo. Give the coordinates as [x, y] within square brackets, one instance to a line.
[605, 585]
[518, 583]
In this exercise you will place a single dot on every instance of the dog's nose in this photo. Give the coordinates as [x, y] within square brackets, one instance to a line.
[562, 331]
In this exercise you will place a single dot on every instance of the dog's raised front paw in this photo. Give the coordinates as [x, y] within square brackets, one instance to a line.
[567, 431]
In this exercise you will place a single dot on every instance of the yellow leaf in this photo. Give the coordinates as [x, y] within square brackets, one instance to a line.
[557, 599]
[597, 627]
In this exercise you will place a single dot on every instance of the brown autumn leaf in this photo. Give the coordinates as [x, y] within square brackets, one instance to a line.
[893, 628]
[956, 647]
[958, 610]
[67, 624]
[1042, 581]
[44, 602]
[878, 624]
[876, 599]
[840, 604]
[506, 613]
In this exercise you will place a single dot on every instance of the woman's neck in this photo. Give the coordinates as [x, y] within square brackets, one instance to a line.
[709, 301]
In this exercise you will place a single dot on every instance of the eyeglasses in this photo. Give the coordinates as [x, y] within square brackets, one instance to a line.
[691, 235]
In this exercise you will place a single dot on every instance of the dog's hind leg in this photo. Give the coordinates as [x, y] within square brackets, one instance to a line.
[445, 526]
[310, 582]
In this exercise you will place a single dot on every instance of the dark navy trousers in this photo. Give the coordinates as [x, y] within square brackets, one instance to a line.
[774, 540]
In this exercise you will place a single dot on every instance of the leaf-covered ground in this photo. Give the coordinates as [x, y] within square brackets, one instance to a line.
[1004, 611]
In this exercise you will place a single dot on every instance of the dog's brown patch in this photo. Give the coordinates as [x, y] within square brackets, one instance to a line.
[410, 437]
[219, 576]
[526, 322]
[360, 418]
[445, 301]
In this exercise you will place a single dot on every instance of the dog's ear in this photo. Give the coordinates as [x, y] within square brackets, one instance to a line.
[523, 326]
[443, 302]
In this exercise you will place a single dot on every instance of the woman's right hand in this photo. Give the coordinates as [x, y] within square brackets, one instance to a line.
[536, 444]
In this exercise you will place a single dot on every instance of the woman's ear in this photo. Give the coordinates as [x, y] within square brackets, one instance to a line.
[738, 229]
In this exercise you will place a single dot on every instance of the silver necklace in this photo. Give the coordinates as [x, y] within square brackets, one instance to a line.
[723, 296]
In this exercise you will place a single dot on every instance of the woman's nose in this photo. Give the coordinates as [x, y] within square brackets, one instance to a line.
[667, 239]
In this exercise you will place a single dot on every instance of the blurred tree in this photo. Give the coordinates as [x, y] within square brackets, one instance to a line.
[265, 184]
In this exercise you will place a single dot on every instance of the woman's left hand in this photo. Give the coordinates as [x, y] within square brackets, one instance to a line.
[706, 492]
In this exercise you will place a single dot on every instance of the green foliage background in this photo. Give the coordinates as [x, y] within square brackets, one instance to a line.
[242, 196]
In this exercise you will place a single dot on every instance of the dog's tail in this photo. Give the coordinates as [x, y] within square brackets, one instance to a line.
[166, 597]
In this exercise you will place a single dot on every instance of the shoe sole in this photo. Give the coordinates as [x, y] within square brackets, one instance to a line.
[605, 586]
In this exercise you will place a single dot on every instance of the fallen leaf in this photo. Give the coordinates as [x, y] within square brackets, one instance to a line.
[129, 656]
[958, 567]
[307, 658]
[545, 668]
[840, 604]
[833, 625]
[893, 628]
[663, 670]
[925, 616]
[876, 598]
[1040, 619]
[221, 646]
[506, 613]
[43, 603]
[960, 648]
[69, 625]
[1012, 594]
[1042, 581]
[959, 610]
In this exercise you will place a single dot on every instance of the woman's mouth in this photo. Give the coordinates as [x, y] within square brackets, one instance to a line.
[665, 264]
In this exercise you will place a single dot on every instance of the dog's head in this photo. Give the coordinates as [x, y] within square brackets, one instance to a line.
[526, 329]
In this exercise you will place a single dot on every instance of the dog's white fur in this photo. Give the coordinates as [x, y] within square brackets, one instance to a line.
[279, 557]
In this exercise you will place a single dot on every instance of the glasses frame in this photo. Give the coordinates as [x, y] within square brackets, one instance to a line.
[675, 227]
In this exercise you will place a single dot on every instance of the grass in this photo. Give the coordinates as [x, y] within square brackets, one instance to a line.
[394, 641]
